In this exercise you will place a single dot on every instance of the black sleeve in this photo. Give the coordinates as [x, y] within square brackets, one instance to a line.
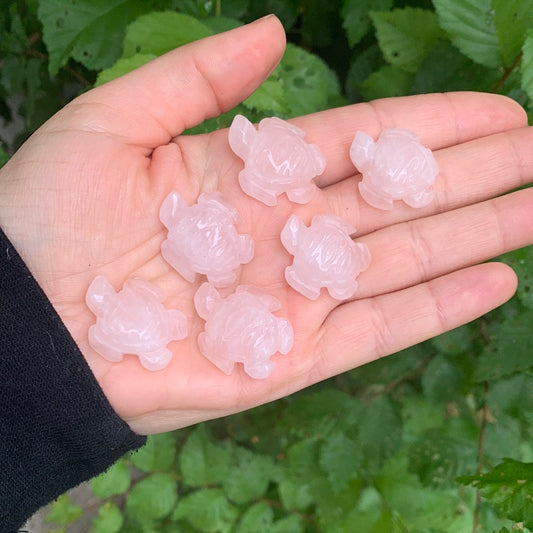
[57, 428]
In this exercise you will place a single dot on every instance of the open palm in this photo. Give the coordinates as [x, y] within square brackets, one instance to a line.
[82, 197]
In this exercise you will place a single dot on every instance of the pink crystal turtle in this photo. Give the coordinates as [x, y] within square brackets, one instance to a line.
[202, 238]
[396, 167]
[324, 256]
[242, 329]
[276, 160]
[133, 321]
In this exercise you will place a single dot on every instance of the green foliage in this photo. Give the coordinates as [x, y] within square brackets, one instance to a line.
[377, 449]
[527, 64]
[160, 32]
[509, 486]
[470, 25]
[89, 32]
[108, 520]
[406, 35]
[63, 511]
[116, 480]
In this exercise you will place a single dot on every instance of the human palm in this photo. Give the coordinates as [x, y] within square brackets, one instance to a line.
[82, 197]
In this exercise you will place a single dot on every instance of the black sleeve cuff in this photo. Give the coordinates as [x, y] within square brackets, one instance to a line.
[57, 428]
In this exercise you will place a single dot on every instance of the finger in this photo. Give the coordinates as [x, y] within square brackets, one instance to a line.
[180, 89]
[440, 120]
[468, 173]
[413, 252]
[362, 331]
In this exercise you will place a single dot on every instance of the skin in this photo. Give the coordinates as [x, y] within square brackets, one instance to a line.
[81, 198]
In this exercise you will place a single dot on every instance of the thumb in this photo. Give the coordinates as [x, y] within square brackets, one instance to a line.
[154, 103]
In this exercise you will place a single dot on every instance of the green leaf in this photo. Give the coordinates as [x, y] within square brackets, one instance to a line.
[527, 64]
[269, 98]
[289, 524]
[424, 509]
[406, 35]
[302, 459]
[341, 459]
[356, 20]
[108, 520]
[442, 380]
[520, 529]
[159, 32]
[512, 19]
[521, 260]
[318, 413]
[379, 431]
[208, 510]
[385, 82]
[395, 367]
[301, 471]
[201, 461]
[159, 453]
[509, 487]
[333, 506]
[437, 460]
[419, 416]
[63, 512]
[294, 495]
[221, 24]
[249, 476]
[457, 341]
[235, 9]
[12, 76]
[503, 439]
[471, 28]
[506, 397]
[362, 66]
[308, 82]
[15, 39]
[256, 519]
[510, 348]
[115, 480]
[4, 156]
[123, 66]
[90, 31]
[154, 497]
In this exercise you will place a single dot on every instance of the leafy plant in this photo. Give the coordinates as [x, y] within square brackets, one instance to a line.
[435, 439]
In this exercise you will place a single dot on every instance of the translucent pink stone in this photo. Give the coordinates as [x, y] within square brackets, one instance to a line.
[242, 329]
[396, 167]
[324, 256]
[133, 321]
[202, 238]
[276, 160]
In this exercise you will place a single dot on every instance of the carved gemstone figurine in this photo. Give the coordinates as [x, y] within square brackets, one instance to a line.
[276, 160]
[324, 256]
[202, 238]
[396, 167]
[242, 329]
[133, 321]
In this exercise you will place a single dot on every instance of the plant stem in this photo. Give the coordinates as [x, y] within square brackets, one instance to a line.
[506, 73]
[218, 8]
[480, 453]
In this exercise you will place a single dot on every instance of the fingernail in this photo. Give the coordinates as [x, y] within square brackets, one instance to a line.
[269, 16]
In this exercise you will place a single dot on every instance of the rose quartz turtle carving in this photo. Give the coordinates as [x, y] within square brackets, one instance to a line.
[133, 321]
[324, 256]
[202, 238]
[276, 160]
[242, 329]
[396, 167]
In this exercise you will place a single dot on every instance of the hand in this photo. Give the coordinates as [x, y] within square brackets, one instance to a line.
[82, 196]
